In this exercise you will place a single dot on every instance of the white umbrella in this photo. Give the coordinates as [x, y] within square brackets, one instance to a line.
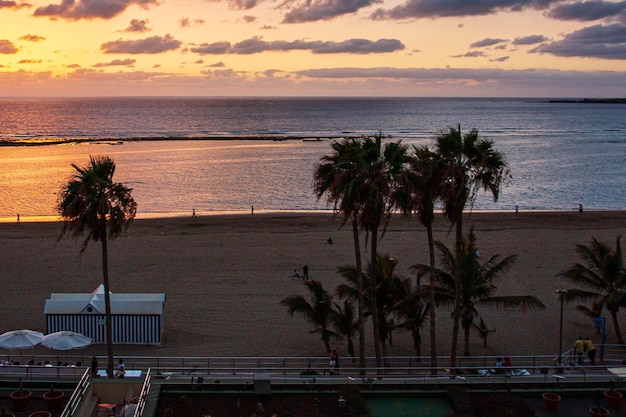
[20, 339]
[65, 340]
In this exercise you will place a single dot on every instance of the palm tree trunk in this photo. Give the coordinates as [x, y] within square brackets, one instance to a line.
[466, 335]
[374, 301]
[361, 306]
[618, 332]
[107, 304]
[457, 293]
[431, 300]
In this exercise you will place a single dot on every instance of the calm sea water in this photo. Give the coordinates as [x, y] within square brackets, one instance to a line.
[173, 152]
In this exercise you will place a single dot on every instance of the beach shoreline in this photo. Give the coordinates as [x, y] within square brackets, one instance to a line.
[224, 276]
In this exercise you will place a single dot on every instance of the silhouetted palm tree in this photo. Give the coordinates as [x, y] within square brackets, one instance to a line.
[345, 324]
[477, 283]
[91, 202]
[318, 313]
[603, 274]
[418, 191]
[468, 163]
[359, 178]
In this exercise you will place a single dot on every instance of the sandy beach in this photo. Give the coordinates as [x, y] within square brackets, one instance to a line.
[224, 277]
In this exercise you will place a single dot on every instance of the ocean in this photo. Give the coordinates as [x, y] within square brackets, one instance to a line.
[219, 155]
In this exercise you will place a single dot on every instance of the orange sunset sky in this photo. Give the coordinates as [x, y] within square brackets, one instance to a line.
[521, 48]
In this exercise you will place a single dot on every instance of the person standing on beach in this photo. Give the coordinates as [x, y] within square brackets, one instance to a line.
[305, 272]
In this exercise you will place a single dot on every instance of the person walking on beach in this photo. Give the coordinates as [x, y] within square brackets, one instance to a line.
[305, 272]
[591, 350]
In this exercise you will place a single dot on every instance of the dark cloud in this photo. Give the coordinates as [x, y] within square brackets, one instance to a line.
[30, 61]
[470, 54]
[487, 42]
[152, 45]
[199, 61]
[587, 10]
[7, 47]
[8, 4]
[218, 65]
[436, 8]
[249, 19]
[314, 10]
[599, 41]
[257, 45]
[187, 22]
[529, 40]
[32, 38]
[128, 62]
[90, 9]
[238, 4]
[501, 59]
[137, 26]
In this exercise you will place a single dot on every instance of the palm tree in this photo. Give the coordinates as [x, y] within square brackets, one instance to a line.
[418, 191]
[91, 202]
[345, 324]
[412, 313]
[603, 274]
[359, 178]
[468, 163]
[336, 176]
[477, 283]
[318, 313]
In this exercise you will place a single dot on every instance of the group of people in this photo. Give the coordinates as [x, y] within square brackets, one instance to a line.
[584, 346]
[120, 371]
[305, 273]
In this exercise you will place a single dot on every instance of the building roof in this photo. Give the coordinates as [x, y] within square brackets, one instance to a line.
[93, 303]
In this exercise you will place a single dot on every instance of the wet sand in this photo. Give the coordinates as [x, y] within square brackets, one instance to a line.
[224, 277]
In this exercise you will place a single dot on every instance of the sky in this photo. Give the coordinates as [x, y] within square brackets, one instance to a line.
[421, 48]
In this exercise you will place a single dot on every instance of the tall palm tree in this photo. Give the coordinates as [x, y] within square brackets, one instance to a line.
[345, 324]
[412, 312]
[336, 177]
[359, 178]
[418, 191]
[602, 272]
[477, 283]
[318, 313]
[91, 202]
[468, 163]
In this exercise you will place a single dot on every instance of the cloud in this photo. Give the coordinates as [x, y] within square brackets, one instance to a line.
[314, 10]
[587, 10]
[128, 62]
[90, 9]
[30, 61]
[32, 38]
[187, 22]
[249, 19]
[487, 42]
[529, 40]
[436, 8]
[470, 54]
[501, 59]
[137, 26]
[152, 45]
[599, 41]
[8, 4]
[7, 47]
[257, 45]
[218, 65]
[238, 4]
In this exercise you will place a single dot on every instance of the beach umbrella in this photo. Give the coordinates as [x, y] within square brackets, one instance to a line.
[65, 340]
[20, 339]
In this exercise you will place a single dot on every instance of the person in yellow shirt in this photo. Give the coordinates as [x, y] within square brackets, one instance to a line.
[579, 349]
[591, 350]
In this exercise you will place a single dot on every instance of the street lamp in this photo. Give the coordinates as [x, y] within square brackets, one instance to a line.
[561, 293]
